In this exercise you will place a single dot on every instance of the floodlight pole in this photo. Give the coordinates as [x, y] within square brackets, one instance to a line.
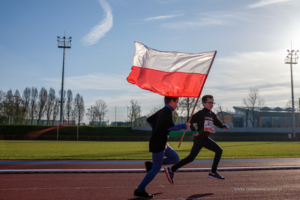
[64, 43]
[292, 58]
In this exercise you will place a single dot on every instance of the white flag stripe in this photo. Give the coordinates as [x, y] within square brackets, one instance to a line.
[171, 61]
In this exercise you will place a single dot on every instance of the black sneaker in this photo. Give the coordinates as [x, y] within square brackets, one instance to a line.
[142, 194]
[148, 165]
[169, 174]
[215, 176]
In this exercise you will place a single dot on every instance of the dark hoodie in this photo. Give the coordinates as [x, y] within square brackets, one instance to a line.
[199, 118]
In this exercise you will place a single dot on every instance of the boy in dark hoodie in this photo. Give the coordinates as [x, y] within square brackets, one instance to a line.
[161, 123]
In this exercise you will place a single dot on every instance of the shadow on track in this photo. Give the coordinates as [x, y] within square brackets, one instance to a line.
[136, 198]
[198, 196]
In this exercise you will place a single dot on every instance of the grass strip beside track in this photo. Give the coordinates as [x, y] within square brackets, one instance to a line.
[82, 150]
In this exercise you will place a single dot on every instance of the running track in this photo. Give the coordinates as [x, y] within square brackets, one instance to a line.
[249, 184]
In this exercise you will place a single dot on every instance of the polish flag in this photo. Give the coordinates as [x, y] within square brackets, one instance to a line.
[170, 73]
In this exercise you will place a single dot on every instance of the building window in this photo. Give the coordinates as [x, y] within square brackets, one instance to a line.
[238, 122]
[266, 122]
[278, 122]
[288, 122]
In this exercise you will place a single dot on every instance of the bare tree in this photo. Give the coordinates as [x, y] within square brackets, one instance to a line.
[296, 107]
[74, 113]
[25, 102]
[186, 104]
[175, 116]
[134, 111]
[2, 96]
[79, 106]
[100, 110]
[220, 110]
[17, 107]
[41, 104]
[296, 104]
[50, 104]
[8, 104]
[33, 103]
[55, 109]
[91, 114]
[63, 104]
[253, 102]
[68, 106]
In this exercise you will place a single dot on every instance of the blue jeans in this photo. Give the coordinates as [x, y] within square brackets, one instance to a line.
[159, 160]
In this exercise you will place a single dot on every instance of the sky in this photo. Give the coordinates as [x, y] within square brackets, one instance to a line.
[251, 38]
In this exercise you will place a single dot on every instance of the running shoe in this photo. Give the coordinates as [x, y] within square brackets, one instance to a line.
[215, 176]
[142, 194]
[169, 174]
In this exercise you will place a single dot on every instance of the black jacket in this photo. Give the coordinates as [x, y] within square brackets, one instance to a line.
[161, 121]
[199, 118]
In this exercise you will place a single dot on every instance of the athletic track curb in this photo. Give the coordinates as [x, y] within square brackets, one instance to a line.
[45, 171]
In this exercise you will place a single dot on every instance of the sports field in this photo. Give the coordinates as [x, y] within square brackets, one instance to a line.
[83, 150]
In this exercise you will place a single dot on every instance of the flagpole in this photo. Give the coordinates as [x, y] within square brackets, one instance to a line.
[189, 119]
[197, 98]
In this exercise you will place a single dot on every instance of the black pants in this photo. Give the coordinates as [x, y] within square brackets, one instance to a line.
[207, 143]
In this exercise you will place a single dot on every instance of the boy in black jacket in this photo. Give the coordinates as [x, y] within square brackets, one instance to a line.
[205, 120]
[161, 123]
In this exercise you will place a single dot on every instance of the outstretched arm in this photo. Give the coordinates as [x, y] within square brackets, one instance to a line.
[178, 127]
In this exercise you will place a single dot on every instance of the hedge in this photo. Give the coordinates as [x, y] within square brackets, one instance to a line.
[71, 130]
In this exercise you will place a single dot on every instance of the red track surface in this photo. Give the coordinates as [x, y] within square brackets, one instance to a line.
[277, 184]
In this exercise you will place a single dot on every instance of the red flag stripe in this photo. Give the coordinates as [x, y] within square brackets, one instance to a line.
[167, 84]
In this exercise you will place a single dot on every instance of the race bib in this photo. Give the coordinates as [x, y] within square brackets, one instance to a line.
[209, 125]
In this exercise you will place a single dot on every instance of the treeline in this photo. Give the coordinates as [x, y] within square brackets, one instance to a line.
[38, 105]
[43, 107]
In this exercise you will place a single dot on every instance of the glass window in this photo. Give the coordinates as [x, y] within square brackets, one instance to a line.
[238, 122]
[288, 122]
[266, 122]
[278, 122]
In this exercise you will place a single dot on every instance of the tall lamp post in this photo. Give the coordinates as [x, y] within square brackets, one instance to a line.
[292, 58]
[63, 42]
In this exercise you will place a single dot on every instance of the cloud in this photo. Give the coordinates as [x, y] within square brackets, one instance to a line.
[252, 69]
[231, 78]
[194, 24]
[102, 28]
[209, 19]
[162, 17]
[262, 3]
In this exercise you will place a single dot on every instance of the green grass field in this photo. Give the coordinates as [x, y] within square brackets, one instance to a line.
[82, 150]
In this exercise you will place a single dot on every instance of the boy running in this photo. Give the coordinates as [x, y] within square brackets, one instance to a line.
[205, 119]
[161, 123]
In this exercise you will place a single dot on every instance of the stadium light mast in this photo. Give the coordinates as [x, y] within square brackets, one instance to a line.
[292, 58]
[63, 42]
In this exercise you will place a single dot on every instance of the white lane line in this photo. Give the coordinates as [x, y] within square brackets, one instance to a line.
[32, 171]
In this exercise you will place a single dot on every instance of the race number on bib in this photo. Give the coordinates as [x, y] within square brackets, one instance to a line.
[209, 125]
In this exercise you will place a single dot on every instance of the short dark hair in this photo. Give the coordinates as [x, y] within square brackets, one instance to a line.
[205, 97]
[168, 99]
